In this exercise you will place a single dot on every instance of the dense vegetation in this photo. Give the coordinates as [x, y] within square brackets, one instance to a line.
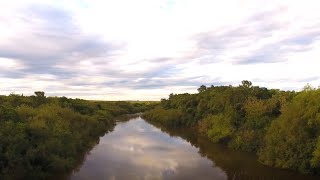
[41, 136]
[282, 127]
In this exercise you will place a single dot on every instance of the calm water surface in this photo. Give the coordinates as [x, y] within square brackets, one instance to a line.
[139, 150]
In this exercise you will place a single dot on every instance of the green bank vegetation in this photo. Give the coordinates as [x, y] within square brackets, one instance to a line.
[42, 136]
[281, 127]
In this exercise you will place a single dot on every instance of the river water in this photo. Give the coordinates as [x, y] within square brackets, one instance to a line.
[136, 149]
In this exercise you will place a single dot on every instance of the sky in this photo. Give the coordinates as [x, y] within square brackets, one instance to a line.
[147, 49]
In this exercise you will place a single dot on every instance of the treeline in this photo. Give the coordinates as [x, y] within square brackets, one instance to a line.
[43, 136]
[282, 127]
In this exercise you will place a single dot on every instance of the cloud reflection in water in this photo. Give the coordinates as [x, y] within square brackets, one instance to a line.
[138, 150]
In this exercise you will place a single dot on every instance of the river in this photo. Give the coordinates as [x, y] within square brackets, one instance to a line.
[136, 149]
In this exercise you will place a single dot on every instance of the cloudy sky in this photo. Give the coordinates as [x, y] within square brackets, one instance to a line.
[147, 49]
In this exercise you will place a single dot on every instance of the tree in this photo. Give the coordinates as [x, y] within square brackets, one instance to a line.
[39, 98]
[246, 84]
[39, 93]
[202, 88]
[292, 139]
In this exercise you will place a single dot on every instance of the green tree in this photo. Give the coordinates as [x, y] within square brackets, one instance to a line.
[202, 88]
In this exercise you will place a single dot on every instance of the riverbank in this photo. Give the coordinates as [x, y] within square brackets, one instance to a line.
[44, 136]
[137, 149]
[281, 127]
[236, 163]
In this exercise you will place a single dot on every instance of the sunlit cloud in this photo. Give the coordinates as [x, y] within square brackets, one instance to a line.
[123, 50]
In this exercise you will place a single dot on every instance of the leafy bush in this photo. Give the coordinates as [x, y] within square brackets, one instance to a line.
[282, 127]
[41, 136]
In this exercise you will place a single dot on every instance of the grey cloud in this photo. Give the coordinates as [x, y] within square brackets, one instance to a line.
[238, 34]
[299, 80]
[11, 74]
[151, 82]
[304, 39]
[167, 82]
[160, 60]
[52, 38]
[53, 43]
[276, 52]
[267, 54]
[220, 43]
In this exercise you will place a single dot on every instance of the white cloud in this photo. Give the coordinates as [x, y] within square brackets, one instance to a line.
[147, 49]
[6, 63]
[147, 153]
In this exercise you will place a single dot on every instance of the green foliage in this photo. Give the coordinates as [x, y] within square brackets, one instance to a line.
[315, 161]
[258, 116]
[282, 127]
[8, 114]
[292, 140]
[41, 136]
[221, 128]
[238, 116]
[167, 117]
